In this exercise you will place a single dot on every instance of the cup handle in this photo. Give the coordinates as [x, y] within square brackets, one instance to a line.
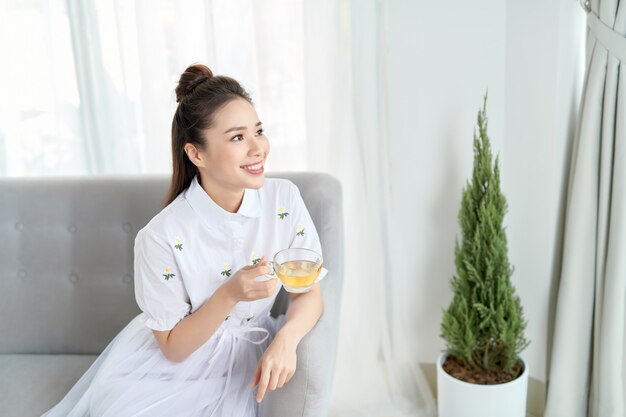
[318, 279]
[272, 273]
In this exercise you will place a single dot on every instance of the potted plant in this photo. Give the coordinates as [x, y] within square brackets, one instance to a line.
[480, 374]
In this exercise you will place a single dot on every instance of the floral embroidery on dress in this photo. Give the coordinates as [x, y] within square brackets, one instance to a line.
[282, 213]
[300, 230]
[179, 244]
[168, 274]
[227, 271]
[255, 258]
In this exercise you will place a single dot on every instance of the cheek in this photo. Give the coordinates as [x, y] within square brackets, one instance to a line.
[224, 159]
[266, 145]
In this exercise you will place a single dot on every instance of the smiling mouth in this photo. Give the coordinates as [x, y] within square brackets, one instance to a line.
[253, 167]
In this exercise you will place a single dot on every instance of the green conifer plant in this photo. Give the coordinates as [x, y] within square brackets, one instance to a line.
[484, 324]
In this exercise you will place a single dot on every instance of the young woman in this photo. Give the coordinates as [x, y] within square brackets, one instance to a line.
[205, 344]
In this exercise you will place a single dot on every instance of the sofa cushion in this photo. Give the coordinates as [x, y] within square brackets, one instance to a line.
[46, 378]
[66, 259]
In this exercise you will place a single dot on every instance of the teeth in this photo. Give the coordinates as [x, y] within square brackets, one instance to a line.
[254, 167]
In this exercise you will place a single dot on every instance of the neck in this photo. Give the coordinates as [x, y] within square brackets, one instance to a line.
[227, 198]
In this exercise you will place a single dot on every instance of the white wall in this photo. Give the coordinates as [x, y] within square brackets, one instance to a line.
[543, 81]
[442, 57]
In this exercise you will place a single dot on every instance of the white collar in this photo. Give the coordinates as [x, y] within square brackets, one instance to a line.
[210, 212]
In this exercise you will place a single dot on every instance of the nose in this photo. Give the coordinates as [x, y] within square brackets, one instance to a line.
[255, 147]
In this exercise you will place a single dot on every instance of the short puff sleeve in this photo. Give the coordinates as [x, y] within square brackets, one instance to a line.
[159, 288]
[304, 234]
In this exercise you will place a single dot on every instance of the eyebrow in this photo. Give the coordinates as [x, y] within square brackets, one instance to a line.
[232, 129]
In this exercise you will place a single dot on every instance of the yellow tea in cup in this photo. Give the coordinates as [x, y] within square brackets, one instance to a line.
[298, 276]
[297, 268]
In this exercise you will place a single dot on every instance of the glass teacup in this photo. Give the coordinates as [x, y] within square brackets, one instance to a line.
[297, 268]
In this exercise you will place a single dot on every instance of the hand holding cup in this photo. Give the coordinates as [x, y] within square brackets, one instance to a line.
[244, 286]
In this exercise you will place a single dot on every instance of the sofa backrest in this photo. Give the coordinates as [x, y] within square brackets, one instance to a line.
[66, 254]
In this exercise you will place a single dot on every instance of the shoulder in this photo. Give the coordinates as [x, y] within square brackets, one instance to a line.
[280, 187]
[172, 217]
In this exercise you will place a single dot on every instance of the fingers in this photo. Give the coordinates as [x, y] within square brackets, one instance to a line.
[257, 376]
[275, 380]
[261, 289]
[250, 272]
[262, 268]
[289, 376]
[275, 376]
[270, 286]
[257, 291]
[247, 286]
[282, 379]
[263, 381]
[269, 379]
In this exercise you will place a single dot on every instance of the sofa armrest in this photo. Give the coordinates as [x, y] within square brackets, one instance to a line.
[307, 394]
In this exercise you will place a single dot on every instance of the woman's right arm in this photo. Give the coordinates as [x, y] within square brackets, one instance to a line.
[195, 329]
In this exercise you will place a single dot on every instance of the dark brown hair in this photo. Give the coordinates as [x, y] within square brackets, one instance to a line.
[199, 95]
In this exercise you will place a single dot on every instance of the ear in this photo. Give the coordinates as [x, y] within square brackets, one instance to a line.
[194, 155]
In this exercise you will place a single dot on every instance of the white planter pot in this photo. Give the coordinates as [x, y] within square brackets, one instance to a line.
[456, 398]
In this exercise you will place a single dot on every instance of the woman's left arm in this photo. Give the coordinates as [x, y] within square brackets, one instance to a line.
[278, 363]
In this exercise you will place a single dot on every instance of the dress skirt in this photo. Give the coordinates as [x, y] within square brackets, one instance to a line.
[132, 377]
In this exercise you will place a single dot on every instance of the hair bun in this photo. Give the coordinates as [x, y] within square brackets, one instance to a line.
[189, 80]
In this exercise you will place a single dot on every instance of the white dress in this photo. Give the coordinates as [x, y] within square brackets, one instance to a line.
[181, 257]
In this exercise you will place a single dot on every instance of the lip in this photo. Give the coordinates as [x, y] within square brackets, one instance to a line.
[255, 172]
[249, 165]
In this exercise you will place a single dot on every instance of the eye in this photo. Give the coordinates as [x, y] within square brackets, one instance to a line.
[259, 132]
[238, 137]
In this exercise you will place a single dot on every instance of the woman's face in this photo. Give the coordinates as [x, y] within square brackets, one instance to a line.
[235, 148]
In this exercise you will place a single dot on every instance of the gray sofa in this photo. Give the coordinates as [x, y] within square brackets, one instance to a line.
[66, 263]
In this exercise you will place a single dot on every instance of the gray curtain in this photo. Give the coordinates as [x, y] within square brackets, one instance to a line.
[588, 358]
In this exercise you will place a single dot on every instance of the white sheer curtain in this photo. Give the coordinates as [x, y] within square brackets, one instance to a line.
[39, 105]
[316, 71]
[588, 370]
[375, 376]
[88, 86]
